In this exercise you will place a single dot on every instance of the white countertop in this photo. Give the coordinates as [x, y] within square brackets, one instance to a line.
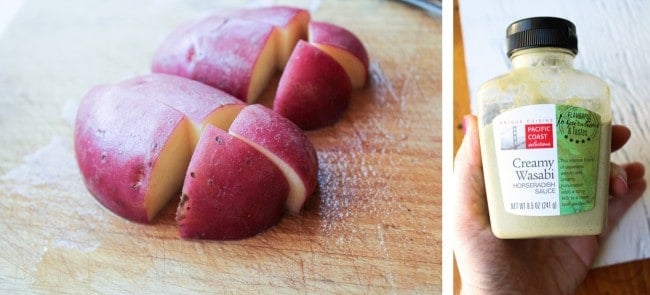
[8, 9]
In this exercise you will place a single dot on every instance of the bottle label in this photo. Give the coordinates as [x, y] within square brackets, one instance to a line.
[547, 157]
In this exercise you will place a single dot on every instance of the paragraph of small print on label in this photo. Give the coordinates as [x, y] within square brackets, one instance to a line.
[547, 157]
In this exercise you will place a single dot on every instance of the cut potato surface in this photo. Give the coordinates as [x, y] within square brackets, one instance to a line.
[291, 23]
[239, 52]
[231, 191]
[353, 67]
[200, 103]
[343, 46]
[314, 90]
[121, 141]
[237, 56]
[135, 140]
[289, 148]
[187, 129]
[167, 175]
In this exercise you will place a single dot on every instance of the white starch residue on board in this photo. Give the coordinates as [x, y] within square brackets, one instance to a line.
[69, 111]
[48, 180]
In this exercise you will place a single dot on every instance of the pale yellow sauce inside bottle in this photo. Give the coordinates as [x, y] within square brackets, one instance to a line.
[543, 76]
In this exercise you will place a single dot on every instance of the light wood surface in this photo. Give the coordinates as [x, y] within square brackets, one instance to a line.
[374, 225]
[626, 278]
[461, 95]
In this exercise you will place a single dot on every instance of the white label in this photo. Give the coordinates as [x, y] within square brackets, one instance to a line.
[527, 160]
[547, 157]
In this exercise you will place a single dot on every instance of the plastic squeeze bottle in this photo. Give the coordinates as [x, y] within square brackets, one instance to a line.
[545, 131]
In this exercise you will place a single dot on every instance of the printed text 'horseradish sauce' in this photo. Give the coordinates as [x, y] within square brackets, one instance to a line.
[545, 137]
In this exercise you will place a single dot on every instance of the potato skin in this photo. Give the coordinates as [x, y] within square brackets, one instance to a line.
[314, 90]
[285, 140]
[231, 190]
[219, 51]
[118, 137]
[121, 129]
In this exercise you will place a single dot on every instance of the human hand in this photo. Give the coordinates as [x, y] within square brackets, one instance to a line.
[546, 266]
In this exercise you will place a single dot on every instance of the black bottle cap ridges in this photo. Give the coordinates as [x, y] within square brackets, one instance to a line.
[541, 32]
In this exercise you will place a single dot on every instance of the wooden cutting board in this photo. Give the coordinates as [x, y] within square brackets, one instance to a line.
[374, 226]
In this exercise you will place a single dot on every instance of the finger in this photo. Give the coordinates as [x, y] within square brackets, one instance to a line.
[618, 184]
[620, 136]
[621, 176]
[470, 206]
[619, 204]
[634, 171]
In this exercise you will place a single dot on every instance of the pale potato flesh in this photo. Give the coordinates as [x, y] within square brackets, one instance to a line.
[297, 189]
[352, 65]
[264, 68]
[232, 191]
[169, 171]
[291, 23]
[220, 118]
[289, 36]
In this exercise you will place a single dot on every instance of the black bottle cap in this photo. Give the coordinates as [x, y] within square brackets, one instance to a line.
[541, 32]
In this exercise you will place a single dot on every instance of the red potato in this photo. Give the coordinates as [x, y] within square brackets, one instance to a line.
[231, 191]
[343, 46]
[239, 52]
[291, 23]
[131, 151]
[177, 52]
[237, 56]
[134, 139]
[314, 90]
[200, 103]
[289, 148]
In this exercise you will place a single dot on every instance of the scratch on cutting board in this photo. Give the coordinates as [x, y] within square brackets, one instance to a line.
[409, 82]
[24, 261]
[302, 273]
[380, 79]
[384, 83]
[384, 252]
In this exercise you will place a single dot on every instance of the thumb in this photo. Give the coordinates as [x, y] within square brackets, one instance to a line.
[470, 214]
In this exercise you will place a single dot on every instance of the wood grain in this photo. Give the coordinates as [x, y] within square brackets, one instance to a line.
[373, 226]
[461, 89]
[624, 278]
